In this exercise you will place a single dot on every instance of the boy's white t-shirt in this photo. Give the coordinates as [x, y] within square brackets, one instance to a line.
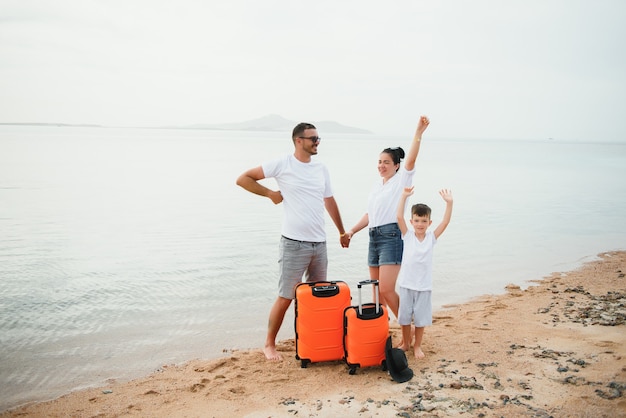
[416, 271]
[382, 204]
[304, 187]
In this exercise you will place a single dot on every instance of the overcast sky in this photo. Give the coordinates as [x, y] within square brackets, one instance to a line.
[479, 69]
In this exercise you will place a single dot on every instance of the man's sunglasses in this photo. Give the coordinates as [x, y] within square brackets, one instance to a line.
[315, 139]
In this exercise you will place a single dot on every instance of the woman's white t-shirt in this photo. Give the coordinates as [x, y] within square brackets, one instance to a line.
[382, 204]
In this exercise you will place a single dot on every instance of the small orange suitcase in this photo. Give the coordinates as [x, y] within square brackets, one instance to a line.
[366, 329]
[319, 311]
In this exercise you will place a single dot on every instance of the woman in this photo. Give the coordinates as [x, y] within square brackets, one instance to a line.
[385, 245]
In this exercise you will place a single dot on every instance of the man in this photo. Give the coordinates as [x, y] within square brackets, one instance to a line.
[304, 187]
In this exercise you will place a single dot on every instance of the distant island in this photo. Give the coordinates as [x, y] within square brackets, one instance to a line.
[276, 123]
[270, 123]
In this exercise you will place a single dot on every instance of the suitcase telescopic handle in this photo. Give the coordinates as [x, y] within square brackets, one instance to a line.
[376, 293]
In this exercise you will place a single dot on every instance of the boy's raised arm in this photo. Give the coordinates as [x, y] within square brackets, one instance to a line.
[408, 191]
[447, 196]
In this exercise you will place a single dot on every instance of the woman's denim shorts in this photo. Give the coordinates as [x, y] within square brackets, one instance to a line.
[385, 245]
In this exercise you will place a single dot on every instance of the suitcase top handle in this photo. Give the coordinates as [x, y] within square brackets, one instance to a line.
[325, 291]
[365, 282]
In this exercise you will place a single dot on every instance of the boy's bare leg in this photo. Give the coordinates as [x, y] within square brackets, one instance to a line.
[417, 346]
[406, 336]
[277, 314]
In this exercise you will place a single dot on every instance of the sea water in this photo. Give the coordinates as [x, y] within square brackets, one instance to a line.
[122, 250]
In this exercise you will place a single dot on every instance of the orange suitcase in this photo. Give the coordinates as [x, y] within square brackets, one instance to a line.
[319, 311]
[366, 329]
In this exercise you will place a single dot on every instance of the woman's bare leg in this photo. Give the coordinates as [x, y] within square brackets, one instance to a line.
[387, 276]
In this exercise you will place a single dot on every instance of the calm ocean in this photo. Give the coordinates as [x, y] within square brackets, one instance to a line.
[122, 250]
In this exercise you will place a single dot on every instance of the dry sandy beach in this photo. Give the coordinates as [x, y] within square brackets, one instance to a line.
[555, 349]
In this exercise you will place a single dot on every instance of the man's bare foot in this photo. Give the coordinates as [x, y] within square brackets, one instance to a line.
[419, 354]
[271, 353]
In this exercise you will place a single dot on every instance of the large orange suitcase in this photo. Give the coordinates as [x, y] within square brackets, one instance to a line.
[366, 329]
[319, 311]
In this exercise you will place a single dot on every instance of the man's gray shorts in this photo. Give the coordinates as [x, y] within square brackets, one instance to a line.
[297, 259]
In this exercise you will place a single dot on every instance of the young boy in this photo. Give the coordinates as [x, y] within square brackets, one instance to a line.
[415, 279]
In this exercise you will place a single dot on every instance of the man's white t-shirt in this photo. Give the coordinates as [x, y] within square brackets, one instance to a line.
[304, 187]
[416, 271]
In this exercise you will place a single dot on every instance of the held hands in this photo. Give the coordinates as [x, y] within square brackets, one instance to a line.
[446, 195]
[345, 240]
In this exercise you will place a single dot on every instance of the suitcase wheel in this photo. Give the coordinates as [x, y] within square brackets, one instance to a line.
[304, 363]
[352, 370]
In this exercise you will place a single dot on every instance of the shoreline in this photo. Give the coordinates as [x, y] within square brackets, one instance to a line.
[556, 348]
